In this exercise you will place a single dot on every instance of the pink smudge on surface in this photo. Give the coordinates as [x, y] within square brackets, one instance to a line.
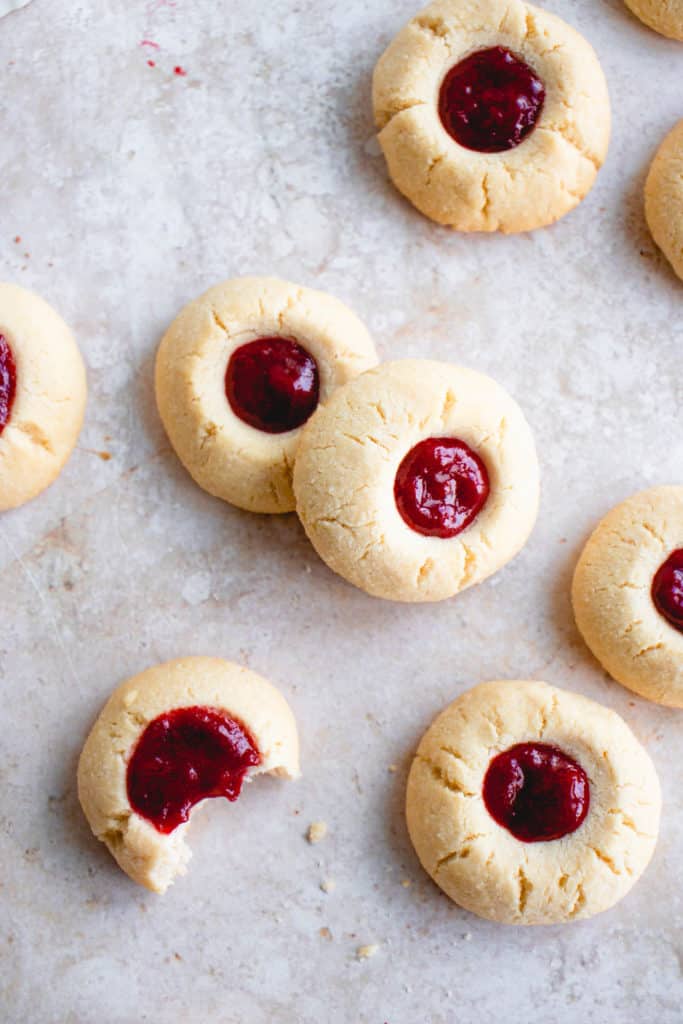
[152, 45]
[178, 70]
[152, 63]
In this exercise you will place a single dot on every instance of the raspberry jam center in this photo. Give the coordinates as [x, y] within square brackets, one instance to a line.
[490, 101]
[272, 384]
[440, 487]
[185, 756]
[536, 792]
[8, 382]
[667, 589]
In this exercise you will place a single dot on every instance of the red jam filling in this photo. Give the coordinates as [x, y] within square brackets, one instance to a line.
[667, 589]
[490, 101]
[272, 384]
[8, 382]
[536, 792]
[440, 487]
[185, 756]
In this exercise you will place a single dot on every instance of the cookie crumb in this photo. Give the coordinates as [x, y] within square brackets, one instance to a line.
[325, 933]
[365, 952]
[406, 883]
[317, 832]
[393, 767]
[328, 885]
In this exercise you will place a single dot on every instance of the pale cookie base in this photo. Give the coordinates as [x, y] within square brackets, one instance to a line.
[49, 404]
[526, 187]
[346, 466]
[481, 865]
[664, 16]
[227, 457]
[149, 857]
[611, 594]
[664, 198]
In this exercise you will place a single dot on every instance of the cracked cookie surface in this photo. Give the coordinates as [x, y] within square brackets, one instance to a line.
[351, 450]
[478, 863]
[226, 456]
[664, 197]
[525, 187]
[44, 402]
[613, 600]
[148, 856]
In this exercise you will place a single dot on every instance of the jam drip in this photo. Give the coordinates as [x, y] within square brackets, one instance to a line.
[185, 756]
[440, 487]
[536, 792]
[272, 384]
[667, 589]
[491, 100]
[8, 382]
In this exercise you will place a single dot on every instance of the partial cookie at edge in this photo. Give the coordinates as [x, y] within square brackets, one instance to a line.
[611, 594]
[664, 198]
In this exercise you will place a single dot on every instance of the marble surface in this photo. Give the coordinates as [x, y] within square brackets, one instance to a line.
[127, 189]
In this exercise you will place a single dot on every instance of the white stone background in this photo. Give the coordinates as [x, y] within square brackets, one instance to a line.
[132, 189]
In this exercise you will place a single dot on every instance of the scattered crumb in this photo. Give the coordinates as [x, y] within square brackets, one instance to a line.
[365, 952]
[328, 885]
[17, 239]
[393, 767]
[325, 933]
[317, 832]
[177, 956]
[152, 63]
[467, 936]
[406, 883]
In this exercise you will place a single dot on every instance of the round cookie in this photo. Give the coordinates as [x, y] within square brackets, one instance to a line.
[664, 197]
[237, 374]
[168, 739]
[532, 748]
[627, 594]
[493, 116]
[664, 16]
[43, 392]
[416, 480]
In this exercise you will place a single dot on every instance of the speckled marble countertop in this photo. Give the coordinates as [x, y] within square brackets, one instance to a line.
[127, 189]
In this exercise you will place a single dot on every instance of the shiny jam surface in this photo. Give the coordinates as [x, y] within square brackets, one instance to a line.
[440, 487]
[8, 382]
[272, 384]
[537, 792]
[667, 589]
[491, 100]
[185, 756]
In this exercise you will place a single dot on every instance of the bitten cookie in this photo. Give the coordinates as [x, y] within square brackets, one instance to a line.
[169, 739]
[664, 198]
[240, 371]
[43, 392]
[664, 16]
[530, 805]
[417, 480]
[492, 115]
[628, 594]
